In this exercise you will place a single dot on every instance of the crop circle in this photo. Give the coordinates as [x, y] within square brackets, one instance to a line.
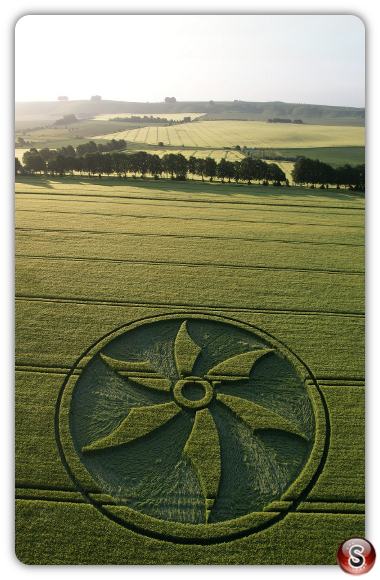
[193, 428]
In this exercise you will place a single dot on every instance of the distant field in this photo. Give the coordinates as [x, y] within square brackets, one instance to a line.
[30, 121]
[332, 155]
[75, 133]
[249, 133]
[337, 121]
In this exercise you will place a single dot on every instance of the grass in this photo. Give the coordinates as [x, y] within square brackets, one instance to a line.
[94, 255]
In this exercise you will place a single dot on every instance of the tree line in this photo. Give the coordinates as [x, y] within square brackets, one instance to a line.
[177, 166]
[314, 172]
[107, 159]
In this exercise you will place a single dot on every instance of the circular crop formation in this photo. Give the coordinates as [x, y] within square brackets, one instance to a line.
[192, 428]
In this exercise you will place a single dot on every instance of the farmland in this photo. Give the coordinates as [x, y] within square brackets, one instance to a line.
[98, 261]
[249, 133]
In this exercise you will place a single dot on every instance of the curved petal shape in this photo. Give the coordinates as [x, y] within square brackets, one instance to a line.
[185, 352]
[139, 422]
[152, 383]
[129, 369]
[140, 373]
[203, 450]
[256, 416]
[236, 368]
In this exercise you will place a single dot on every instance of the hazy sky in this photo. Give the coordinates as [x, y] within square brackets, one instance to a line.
[297, 59]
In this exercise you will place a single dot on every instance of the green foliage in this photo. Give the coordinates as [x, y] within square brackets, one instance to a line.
[18, 165]
[315, 172]
[67, 120]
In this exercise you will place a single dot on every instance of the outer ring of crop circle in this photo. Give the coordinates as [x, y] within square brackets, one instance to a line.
[201, 533]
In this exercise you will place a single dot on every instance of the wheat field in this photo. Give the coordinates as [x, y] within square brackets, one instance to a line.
[93, 256]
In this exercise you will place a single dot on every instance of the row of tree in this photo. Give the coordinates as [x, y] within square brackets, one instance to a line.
[315, 172]
[91, 147]
[174, 165]
[95, 162]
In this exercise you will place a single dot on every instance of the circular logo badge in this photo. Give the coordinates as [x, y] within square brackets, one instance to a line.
[193, 428]
[356, 556]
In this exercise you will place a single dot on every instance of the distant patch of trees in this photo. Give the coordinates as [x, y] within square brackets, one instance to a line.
[96, 98]
[91, 147]
[67, 120]
[170, 100]
[278, 120]
[63, 98]
[151, 119]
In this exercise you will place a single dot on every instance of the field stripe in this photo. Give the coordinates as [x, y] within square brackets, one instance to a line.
[176, 203]
[190, 264]
[198, 201]
[186, 250]
[188, 307]
[183, 201]
[184, 236]
[201, 219]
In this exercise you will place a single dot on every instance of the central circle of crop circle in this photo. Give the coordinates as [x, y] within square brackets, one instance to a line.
[183, 389]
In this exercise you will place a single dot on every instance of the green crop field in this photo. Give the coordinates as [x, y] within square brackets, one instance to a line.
[189, 364]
